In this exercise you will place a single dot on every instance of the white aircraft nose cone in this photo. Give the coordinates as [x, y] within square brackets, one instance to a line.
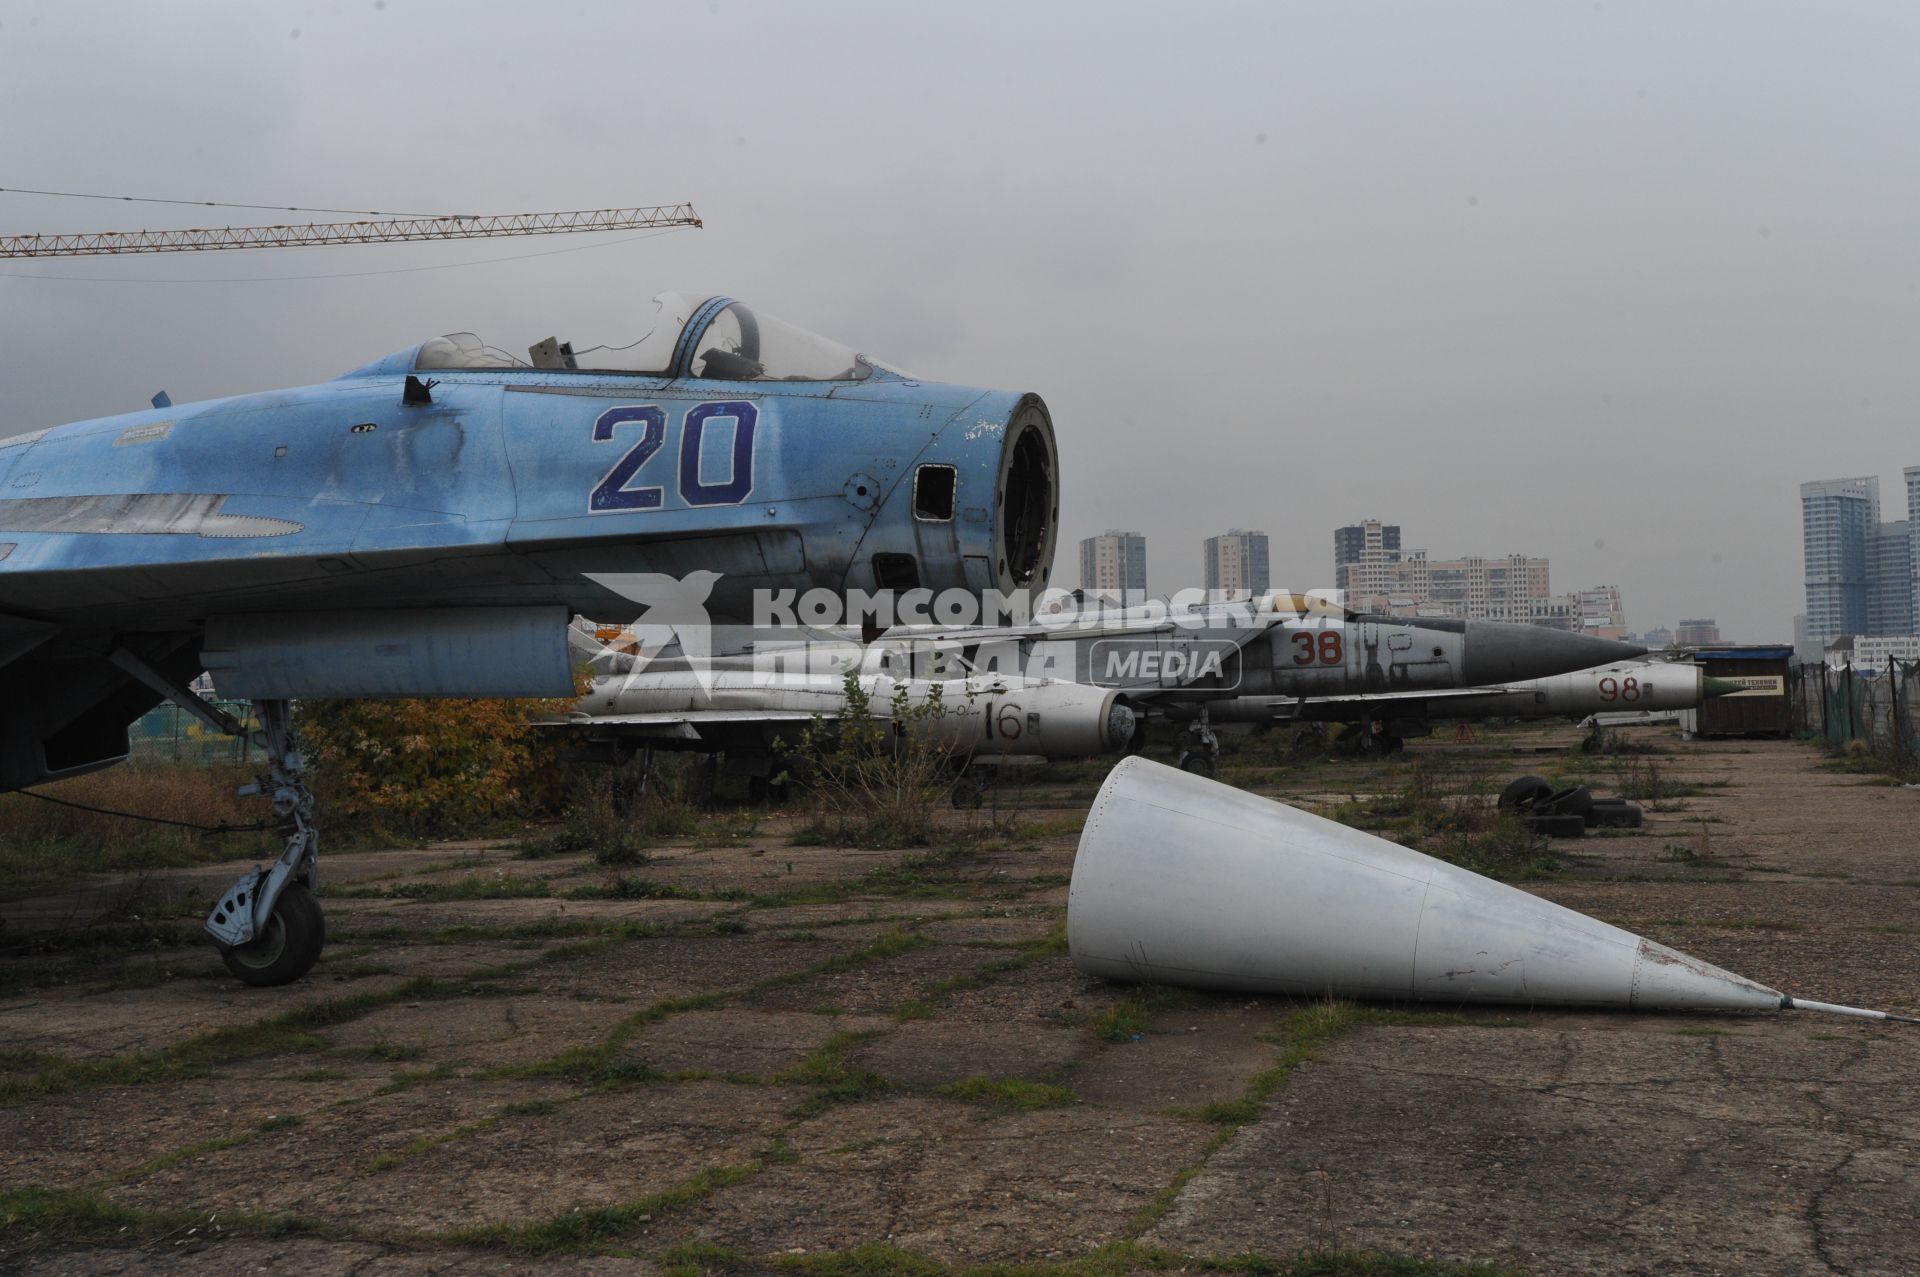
[1181, 880]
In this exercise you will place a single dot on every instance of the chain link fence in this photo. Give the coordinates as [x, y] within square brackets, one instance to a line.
[1881, 708]
[169, 735]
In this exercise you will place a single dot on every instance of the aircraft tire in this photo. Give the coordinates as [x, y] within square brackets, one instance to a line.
[968, 794]
[1574, 800]
[1615, 813]
[1522, 794]
[1197, 763]
[1558, 826]
[288, 948]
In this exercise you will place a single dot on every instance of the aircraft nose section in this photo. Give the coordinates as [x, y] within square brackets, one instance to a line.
[1500, 652]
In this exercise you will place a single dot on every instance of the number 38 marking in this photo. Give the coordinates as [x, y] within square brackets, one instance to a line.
[1324, 647]
[612, 492]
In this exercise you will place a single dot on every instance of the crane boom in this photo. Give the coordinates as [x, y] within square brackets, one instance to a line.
[382, 231]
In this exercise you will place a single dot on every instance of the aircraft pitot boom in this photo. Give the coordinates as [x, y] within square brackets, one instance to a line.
[427, 524]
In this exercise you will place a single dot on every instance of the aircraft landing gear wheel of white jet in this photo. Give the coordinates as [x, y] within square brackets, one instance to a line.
[289, 945]
[1198, 762]
[968, 793]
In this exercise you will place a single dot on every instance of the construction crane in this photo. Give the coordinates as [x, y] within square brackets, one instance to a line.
[391, 230]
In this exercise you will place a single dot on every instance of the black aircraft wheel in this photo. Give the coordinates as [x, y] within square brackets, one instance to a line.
[1197, 763]
[968, 793]
[289, 946]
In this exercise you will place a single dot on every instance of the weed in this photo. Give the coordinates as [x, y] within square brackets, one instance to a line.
[594, 1066]
[43, 844]
[497, 886]
[426, 1143]
[628, 887]
[693, 1259]
[1123, 1021]
[81, 1214]
[289, 1033]
[1300, 1034]
[580, 1231]
[875, 774]
[612, 817]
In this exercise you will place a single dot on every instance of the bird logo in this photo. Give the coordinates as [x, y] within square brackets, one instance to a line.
[676, 613]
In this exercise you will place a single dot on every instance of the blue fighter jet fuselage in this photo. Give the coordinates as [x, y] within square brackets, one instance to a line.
[425, 525]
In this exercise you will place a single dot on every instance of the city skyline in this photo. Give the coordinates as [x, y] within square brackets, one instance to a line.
[1857, 568]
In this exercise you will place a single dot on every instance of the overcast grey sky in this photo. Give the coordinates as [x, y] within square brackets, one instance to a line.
[1602, 282]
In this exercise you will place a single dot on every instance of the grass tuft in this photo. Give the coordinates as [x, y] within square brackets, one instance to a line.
[588, 1231]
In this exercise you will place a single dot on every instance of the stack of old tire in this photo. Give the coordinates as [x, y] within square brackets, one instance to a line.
[1568, 812]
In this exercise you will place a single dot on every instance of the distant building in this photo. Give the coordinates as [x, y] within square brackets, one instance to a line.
[1873, 651]
[1115, 564]
[1806, 648]
[1699, 632]
[1838, 518]
[1657, 638]
[1890, 579]
[1379, 574]
[1601, 612]
[1912, 476]
[1236, 564]
[1361, 555]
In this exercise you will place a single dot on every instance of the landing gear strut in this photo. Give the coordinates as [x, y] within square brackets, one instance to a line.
[1199, 747]
[268, 926]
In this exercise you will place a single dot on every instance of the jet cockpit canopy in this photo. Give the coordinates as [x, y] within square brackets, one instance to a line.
[715, 338]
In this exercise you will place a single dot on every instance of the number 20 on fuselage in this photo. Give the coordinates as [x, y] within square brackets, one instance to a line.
[613, 494]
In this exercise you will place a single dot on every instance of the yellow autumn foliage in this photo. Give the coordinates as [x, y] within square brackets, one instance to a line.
[430, 768]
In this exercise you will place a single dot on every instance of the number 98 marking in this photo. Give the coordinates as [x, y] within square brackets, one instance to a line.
[1619, 689]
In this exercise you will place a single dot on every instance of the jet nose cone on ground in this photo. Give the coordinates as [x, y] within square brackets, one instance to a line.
[1499, 652]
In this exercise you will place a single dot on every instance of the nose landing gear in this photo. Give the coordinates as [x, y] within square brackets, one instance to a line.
[268, 925]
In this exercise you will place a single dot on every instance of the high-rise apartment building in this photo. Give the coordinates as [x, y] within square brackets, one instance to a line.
[1890, 579]
[1362, 553]
[1840, 536]
[1236, 564]
[1912, 476]
[1115, 563]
